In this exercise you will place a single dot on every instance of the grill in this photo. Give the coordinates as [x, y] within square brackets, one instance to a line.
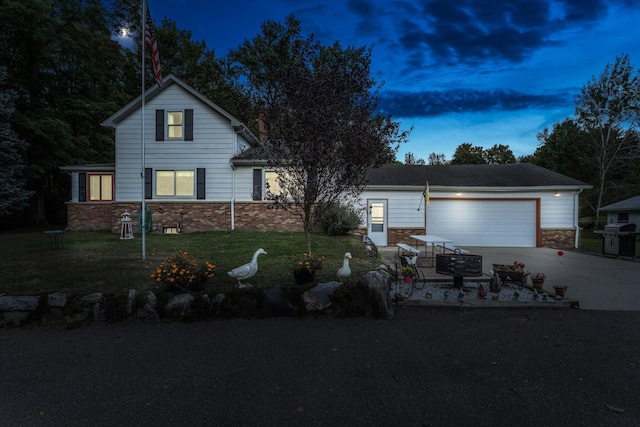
[459, 266]
[619, 239]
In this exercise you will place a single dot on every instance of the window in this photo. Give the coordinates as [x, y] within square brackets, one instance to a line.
[272, 185]
[623, 217]
[175, 183]
[100, 187]
[174, 124]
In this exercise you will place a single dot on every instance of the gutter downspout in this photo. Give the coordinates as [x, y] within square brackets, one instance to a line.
[233, 180]
[576, 214]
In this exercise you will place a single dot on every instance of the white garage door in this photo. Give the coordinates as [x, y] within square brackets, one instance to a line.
[498, 223]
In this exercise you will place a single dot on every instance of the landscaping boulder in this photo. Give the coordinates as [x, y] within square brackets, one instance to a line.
[19, 303]
[319, 297]
[276, 304]
[179, 305]
[371, 295]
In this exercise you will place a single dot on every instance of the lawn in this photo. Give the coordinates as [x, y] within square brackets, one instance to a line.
[101, 262]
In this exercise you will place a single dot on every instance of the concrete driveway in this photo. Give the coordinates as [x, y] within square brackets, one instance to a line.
[595, 281]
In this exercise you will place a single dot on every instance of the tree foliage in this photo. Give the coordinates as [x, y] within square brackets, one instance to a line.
[410, 159]
[563, 150]
[66, 72]
[467, 154]
[438, 159]
[317, 105]
[13, 193]
[607, 110]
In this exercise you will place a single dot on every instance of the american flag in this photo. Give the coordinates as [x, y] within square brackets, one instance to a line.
[150, 40]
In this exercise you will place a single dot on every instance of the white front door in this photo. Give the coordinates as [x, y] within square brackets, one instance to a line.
[377, 218]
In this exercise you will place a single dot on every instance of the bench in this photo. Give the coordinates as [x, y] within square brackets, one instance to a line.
[408, 248]
[449, 247]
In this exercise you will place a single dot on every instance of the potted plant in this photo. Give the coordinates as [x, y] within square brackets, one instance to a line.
[304, 268]
[407, 273]
[538, 280]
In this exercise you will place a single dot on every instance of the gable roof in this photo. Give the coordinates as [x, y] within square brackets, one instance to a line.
[510, 175]
[154, 91]
[632, 204]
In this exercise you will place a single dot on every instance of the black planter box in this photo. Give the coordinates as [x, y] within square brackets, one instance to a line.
[459, 265]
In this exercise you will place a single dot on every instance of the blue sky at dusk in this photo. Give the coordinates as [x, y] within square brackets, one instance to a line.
[479, 71]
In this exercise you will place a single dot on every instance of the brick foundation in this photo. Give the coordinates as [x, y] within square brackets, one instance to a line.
[192, 217]
[558, 239]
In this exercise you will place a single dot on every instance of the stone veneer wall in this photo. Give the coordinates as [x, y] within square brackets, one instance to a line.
[193, 217]
[558, 239]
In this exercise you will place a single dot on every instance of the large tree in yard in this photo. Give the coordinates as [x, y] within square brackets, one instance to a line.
[318, 106]
[608, 109]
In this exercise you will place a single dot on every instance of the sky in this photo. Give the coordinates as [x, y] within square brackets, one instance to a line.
[484, 72]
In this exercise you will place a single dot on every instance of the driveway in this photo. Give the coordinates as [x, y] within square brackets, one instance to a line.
[597, 282]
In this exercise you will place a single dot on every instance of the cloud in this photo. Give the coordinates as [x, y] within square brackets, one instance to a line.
[436, 103]
[450, 32]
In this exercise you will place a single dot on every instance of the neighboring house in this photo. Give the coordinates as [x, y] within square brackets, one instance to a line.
[203, 171]
[626, 211]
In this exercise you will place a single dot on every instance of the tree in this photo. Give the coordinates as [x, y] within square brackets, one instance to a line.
[438, 159]
[498, 155]
[607, 110]
[410, 159]
[13, 193]
[318, 105]
[66, 72]
[467, 154]
[562, 150]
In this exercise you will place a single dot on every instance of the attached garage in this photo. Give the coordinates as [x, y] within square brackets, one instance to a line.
[496, 223]
[510, 205]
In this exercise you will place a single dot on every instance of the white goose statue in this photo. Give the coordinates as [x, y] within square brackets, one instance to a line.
[247, 270]
[344, 272]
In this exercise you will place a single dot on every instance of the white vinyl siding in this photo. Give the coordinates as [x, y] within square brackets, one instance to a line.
[212, 147]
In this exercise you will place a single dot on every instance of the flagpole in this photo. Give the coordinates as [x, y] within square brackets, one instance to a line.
[142, 174]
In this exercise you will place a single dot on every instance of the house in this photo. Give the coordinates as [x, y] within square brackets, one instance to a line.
[203, 171]
[625, 211]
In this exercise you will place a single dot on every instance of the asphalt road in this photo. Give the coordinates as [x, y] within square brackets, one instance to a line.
[426, 367]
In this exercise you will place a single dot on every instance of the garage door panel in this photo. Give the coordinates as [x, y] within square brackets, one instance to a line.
[507, 223]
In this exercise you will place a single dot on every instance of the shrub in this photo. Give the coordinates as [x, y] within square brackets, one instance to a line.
[183, 272]
[340, 219]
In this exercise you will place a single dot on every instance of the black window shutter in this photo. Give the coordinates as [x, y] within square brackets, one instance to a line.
[159, 125]
[257, 184]
[82, 187]
[200, 180]
[148, 183]
[188, 125]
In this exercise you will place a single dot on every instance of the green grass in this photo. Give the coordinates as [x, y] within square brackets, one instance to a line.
[101, 262]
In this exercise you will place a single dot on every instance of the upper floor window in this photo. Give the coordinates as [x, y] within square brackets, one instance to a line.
[174, 124]
[100, 187]
[175, 183]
